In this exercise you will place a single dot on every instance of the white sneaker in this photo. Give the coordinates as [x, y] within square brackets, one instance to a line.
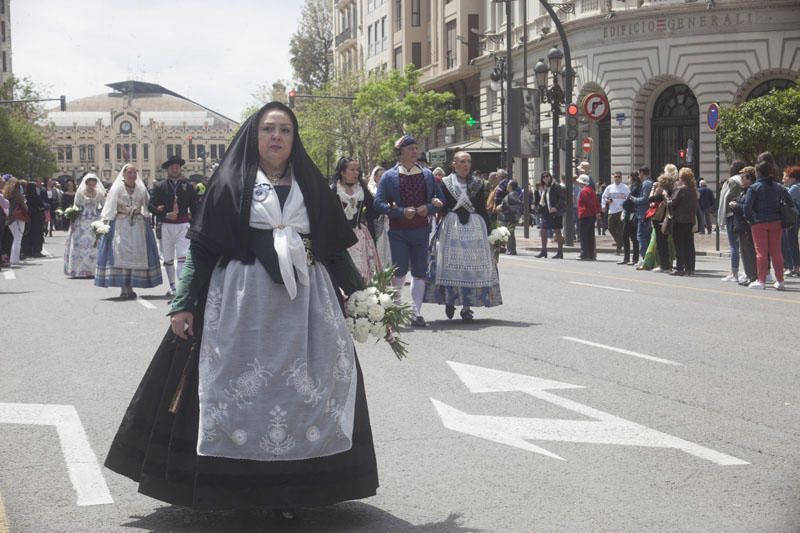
[742, 277]
[657, 269]
[779, 286]
[171, 292]
[757, 285]
[730, 277]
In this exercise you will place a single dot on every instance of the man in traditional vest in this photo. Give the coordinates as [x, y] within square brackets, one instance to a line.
[409, 195]
[173, 202]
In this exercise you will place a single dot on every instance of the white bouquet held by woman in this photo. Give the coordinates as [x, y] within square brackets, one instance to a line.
[72, 212]
[374, 312]
[99, 228]
[498, 238]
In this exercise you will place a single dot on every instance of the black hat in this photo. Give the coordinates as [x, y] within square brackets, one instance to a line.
[174, 160]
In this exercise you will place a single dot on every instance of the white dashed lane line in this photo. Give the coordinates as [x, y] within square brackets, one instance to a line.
[606, 287]
[145, 303]
[623, 351]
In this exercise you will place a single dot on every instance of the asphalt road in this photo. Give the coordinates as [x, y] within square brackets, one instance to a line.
[597, 398]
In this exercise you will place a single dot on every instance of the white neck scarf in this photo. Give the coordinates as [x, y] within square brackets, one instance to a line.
[286, 224]
[459, 192]
[350, 201]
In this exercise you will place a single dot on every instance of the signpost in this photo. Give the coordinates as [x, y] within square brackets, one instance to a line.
[595, 106]
[712, 118]
[586, 145]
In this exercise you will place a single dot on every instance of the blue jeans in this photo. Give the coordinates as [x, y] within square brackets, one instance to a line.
[790, 248]
[733, 242]
[643, 235]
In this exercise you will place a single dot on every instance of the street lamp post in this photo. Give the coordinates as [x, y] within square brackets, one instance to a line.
[497, 82]
[553, 95]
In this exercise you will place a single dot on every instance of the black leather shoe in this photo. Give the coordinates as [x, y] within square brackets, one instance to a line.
[466, 315]
[419, 322]
[450, 311]
[543, 253]
[559, 255]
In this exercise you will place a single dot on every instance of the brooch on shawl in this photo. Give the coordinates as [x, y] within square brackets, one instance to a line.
[261, 191]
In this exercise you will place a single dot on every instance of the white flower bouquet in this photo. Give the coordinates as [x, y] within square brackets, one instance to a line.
[98, 229]
[72, 212]
[499, 236]
[59, 213]
[373, 312]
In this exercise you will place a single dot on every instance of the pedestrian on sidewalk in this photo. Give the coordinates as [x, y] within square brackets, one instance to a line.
[613, 197]
[17, 217]
[642, 203]
[741, 228]
[762, 209]
[683, 205]
[255, 398]
[789, 243]
[588, 213]
[729, 193]
[705, 208]
[630, 222]
[551, 200]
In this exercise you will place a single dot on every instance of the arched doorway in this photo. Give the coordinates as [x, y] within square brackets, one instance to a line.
[675, 126]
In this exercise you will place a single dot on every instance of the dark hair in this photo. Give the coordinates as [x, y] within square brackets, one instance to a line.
[635, 177]
[644, 170]
[765, 165]
[514, 185]
[736, 167]
[341, 166]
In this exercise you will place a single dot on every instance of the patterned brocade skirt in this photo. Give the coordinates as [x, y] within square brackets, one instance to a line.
[461, 265]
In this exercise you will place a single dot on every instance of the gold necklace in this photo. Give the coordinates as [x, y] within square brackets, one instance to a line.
[276, 179]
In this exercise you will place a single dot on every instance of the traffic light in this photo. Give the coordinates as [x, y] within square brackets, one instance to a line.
[572, 122]
[292, 94]
[681, 153]
[471, 121]
[63, 102]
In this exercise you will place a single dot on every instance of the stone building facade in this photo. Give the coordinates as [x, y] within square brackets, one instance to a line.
[141, 123]
[5, 41]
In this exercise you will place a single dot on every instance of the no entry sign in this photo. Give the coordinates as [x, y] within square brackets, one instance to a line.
[586, 144]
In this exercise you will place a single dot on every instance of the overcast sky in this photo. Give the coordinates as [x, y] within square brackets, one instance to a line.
[214, 52]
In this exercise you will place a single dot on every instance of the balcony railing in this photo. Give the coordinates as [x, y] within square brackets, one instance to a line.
[343, 36]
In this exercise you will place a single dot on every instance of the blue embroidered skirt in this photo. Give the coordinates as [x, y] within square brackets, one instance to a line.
[113, 272]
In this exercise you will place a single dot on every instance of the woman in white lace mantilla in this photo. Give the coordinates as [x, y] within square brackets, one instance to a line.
[127, 256]
[357, 203]
[80, 252]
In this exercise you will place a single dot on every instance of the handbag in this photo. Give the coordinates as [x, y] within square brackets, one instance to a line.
[788, 211]
[666, 224]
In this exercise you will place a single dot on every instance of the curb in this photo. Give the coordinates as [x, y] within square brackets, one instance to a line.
[612, 251]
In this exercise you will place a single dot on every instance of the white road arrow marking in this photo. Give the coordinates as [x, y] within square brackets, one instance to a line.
[9, 274]
[84, 472]
[516, 431]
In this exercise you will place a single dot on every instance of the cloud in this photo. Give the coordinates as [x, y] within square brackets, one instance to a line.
[212, 52]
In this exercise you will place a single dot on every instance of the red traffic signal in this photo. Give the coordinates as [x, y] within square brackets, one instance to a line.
[292, 94]
[682, 154]
[572, 110]
[189, 138]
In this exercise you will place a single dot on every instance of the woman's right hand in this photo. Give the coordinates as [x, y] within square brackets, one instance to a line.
[181, 324]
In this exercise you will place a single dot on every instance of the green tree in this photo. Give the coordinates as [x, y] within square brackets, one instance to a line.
[311, 46]
[394, 104]
[25, 150]
[770, 123]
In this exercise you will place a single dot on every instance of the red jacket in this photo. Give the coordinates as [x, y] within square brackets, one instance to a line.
[588, 206]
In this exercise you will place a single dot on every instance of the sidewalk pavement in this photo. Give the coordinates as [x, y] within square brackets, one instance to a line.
[704, 244]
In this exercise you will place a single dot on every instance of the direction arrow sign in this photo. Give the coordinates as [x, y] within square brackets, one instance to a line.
[595, 106]
[84, 472]
[514, 431]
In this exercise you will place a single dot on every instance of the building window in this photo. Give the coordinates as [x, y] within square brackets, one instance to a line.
[213, 151]
[473, 40]
[2, 6]
[450, 35]
[370, 42]
[82, 152]
[191, 151]
[60, 152]
[5, 66]
[107, 152]
[178, 149]
[384, 40]
[221, 150]
[416, 54]
[133, 152]
[398, 57]
[90, 152]
[415, 13]
[3, 30]
[170, 151]
[68, 152]
[146, 152]
[398, 15]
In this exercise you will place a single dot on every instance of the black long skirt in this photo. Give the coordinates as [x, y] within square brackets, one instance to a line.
[158, 449]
